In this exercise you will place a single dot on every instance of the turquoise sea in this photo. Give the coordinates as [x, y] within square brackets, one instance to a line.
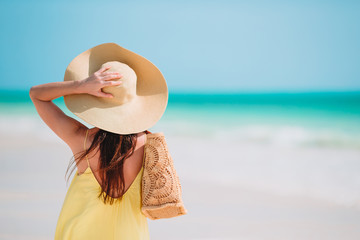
[322, 119]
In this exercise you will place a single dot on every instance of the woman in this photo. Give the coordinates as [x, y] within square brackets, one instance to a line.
[104, 197]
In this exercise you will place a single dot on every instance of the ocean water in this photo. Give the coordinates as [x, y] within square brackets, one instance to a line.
[320, 119]
[312, 119]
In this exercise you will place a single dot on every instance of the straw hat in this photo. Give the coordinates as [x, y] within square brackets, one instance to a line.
[138, 103]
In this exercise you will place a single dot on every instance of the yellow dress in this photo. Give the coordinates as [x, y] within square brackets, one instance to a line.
[85, 217]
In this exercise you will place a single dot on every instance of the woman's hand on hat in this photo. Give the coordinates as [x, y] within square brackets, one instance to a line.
[99, 79]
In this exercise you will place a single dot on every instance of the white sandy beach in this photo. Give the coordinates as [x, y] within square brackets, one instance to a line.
[231, 189]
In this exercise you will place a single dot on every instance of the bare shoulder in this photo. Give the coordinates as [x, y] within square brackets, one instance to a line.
[141, 138]
[78, 145]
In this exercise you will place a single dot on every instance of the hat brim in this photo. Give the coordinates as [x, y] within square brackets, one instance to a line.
[135, 116]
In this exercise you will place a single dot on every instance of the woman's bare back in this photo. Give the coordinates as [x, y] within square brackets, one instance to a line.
[132, 164]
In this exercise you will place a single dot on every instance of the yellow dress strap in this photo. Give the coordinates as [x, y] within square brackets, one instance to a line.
[87, 130]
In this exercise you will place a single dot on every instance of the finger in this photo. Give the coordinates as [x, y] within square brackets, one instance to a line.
[110, 73]
[110, 77]
[103, 94]
[115, 75]
[112, 83]
[103, 69]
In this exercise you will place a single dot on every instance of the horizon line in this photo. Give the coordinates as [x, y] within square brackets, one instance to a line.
[231, 91]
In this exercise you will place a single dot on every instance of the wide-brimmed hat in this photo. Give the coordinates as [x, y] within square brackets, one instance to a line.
[138, 103]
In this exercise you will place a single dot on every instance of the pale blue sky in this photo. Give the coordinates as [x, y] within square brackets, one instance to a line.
[198, 45]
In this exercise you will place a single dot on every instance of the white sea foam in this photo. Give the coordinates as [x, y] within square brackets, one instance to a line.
[288, 135]
[269, 134]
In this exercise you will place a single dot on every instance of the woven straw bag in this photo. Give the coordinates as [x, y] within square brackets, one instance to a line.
[160, 185]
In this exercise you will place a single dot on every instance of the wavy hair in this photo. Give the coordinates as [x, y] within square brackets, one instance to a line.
[114, 149]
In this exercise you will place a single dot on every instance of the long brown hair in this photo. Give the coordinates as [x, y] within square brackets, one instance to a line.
[114, 149]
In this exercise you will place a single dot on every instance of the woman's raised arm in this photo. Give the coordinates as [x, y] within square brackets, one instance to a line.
[67, 128]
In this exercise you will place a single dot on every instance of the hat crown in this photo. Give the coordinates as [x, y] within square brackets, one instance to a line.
[138, 103]
[126, 91]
